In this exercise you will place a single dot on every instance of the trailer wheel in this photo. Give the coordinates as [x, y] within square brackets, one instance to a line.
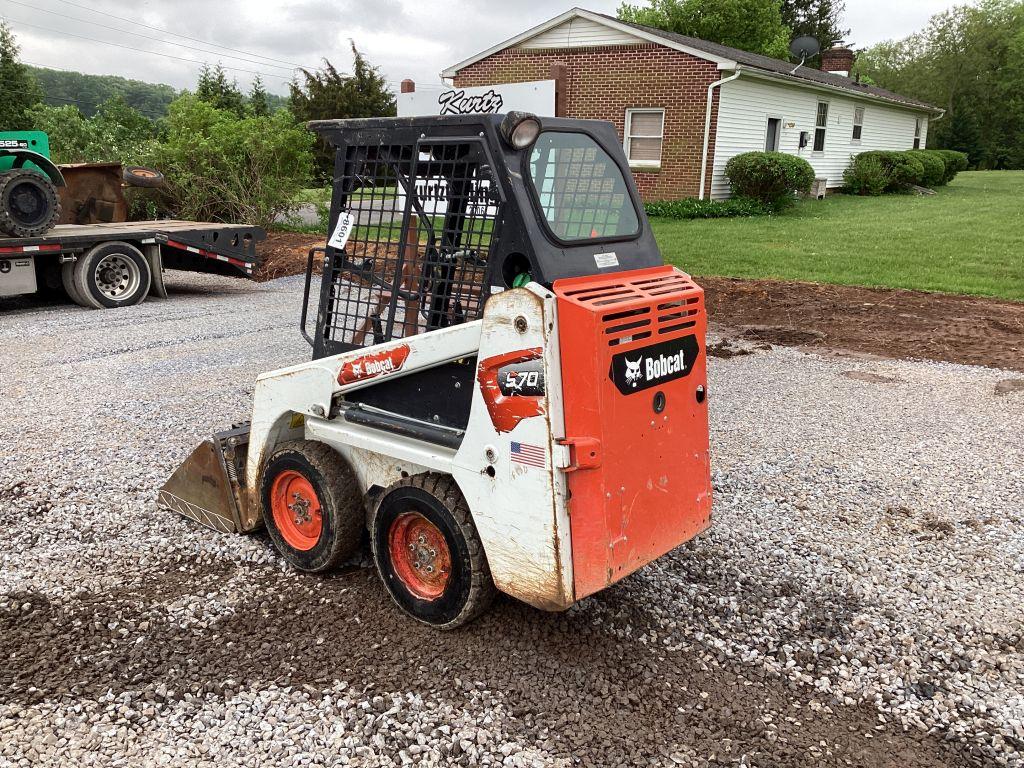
[29, 205]
[312, 506]
[113, 274]
[67, 277]
[428, 552]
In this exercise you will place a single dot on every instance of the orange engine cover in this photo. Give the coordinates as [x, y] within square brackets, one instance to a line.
[634, 382]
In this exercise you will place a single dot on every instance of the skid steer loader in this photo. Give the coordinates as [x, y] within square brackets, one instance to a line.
[508, 386]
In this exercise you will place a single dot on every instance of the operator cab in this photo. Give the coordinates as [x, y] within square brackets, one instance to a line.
[432, 215]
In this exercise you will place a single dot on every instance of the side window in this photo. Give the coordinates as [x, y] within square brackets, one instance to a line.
[645, 130]
[820, 124]
[858, 123]
[917, 133]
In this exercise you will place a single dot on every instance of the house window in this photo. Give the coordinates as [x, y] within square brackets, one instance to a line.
[819, 126]
[645, 129]
[858, 122]
[917, 133]
[771, 136]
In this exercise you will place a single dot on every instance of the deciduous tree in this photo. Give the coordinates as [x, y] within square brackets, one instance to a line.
[751, 25]
[18, 89]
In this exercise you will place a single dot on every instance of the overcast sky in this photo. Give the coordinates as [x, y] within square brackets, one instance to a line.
[405, 38]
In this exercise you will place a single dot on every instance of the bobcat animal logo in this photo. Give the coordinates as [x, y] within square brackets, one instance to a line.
[357, 369]
[633, 372]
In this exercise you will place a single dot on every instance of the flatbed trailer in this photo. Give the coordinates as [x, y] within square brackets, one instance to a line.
[119, 264]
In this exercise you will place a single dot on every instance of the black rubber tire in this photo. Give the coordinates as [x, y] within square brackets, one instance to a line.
[67, 275]
[11, 223]
[139, 176]
[470, 589]
[340, 498]
[85, 276]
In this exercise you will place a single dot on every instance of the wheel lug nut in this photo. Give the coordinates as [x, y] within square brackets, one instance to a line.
[433, 553]
[430, 569]
[422, 540]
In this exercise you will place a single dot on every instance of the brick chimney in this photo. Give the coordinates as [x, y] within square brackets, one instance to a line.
[837, 59]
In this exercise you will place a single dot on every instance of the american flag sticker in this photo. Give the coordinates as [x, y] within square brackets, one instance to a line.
[530, 455]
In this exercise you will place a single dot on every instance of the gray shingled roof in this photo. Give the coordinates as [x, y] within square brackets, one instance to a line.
[777, 66]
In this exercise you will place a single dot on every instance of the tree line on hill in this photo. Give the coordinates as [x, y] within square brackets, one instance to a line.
[226, 155]
[969, 60]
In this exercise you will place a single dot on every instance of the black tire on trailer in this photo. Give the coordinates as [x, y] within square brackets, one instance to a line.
[113, 274]
[29, 205]
[138, 176]
[312, 505]
[67, 276]
[428, 552]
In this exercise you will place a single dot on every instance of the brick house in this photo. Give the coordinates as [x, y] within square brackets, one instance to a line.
[681, 104]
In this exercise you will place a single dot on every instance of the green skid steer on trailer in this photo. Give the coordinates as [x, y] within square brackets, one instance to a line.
[29, 204]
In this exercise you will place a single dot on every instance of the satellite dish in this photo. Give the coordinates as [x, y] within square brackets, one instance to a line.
[803, 48]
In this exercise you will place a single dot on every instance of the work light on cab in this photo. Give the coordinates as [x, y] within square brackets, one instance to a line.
[520, 129]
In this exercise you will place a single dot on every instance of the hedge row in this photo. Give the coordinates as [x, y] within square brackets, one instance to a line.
[874, 173]
[692, 208]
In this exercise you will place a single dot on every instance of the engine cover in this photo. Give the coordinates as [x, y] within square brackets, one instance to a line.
[634, 382]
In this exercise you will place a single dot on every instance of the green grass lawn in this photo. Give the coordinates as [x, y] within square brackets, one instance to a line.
[968, 238]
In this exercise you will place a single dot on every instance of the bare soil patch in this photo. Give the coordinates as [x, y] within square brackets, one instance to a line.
[877, 321]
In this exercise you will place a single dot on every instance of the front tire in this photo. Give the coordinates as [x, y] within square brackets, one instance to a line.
[113, 274]
[428, 552]
[312, 506]
[29, 206]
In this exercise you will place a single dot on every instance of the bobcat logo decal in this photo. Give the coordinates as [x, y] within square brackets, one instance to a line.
[633, 372]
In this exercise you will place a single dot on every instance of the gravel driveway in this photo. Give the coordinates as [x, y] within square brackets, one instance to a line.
[857, 602]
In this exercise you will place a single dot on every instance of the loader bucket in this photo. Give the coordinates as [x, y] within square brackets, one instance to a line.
[209, 486]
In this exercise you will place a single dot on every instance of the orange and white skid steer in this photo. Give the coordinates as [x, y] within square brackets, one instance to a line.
[508, 386]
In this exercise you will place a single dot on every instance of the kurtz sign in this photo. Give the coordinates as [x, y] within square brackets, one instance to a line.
[537, 97]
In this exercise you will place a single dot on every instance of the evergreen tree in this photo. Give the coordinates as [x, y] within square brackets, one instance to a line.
[18, 88]
[962, 134]
[819, 19]
[259, 104]
[327, 93]
[213, 88]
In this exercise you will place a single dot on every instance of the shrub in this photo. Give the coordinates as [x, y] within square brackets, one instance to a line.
[954, 161]
[769, 177]
[867, 175]
[220, 167]
[934, 167]
[692, 208]
[901, 168]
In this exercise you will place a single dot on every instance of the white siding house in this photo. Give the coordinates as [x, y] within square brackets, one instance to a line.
[684, 106]
[748, 103]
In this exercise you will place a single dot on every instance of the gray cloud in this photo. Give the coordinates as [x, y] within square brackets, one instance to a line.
[404, 38]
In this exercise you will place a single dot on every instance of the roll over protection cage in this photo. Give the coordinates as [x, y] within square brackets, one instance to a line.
[441, 213]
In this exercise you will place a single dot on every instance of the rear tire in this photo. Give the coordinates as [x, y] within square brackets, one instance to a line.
[67, 276]
[312, 506]
[428, 552]
[29, 206]
[113, 274]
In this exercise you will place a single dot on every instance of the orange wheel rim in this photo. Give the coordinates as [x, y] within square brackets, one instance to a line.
[419, 555]
[296, 510]
[144, 173]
